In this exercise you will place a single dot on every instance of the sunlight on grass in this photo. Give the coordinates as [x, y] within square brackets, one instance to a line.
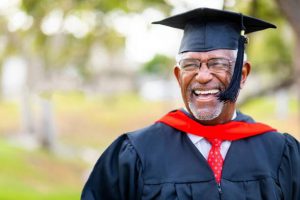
[264, 110]
[96, 121]
[10, 117]
[37, 175]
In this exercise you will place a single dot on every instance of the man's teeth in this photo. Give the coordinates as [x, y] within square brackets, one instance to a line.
[205, 92]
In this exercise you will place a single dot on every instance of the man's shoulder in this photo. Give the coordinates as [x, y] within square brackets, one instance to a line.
[151, 132]
[273, 141]
[154, 138]
[275, 137]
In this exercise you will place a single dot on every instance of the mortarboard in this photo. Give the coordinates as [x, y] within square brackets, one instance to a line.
[207, 29]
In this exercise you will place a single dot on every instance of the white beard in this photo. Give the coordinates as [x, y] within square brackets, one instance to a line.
[203, 114]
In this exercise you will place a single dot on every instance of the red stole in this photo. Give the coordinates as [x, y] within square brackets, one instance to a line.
[232, 130]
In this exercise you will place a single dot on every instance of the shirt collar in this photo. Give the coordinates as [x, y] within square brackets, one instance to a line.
[195, 138]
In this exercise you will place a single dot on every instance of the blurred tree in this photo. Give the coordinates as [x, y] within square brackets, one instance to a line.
[56, 37]
[60, 46]
[290, 9]
[274, 46]
[160, 65]
[269, 51]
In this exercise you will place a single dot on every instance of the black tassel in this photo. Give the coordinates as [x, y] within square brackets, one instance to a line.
[231, 93]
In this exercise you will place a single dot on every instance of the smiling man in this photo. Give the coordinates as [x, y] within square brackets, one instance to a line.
[201, 85]
[206, 150]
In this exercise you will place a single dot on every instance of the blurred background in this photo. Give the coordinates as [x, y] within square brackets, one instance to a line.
[75, 74]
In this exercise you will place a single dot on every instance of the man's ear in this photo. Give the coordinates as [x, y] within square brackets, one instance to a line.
[177, 72]
[245, 72]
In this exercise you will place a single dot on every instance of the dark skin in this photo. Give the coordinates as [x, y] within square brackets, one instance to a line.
[205, 80]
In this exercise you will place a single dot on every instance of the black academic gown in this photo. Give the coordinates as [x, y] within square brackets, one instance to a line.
[160, 162]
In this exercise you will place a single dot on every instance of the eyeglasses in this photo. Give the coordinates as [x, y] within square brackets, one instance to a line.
[215, 65]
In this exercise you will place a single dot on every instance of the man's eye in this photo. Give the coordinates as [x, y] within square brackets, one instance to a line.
[219, 65]
[190, 65]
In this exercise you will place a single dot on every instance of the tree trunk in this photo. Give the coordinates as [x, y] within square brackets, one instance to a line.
[290, 9]
[47, 131]
[254, 8]
[297, 74]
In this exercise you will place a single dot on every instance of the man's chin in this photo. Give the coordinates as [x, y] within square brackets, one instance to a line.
[206, 114]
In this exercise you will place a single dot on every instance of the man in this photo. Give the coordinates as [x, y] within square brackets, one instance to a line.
[208, 150]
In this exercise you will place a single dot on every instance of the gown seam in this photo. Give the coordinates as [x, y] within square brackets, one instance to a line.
[188, 182]
[141, 187]
[281, 160]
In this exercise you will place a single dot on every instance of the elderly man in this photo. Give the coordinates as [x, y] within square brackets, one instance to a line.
[207, 150]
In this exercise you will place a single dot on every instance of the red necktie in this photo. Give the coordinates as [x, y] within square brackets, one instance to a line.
[215, 159]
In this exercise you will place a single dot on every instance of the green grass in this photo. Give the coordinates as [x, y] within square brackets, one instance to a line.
[81, 121]
[10, 117]
[265, 107]
[37, 175]
[264, 110]
[97, 121]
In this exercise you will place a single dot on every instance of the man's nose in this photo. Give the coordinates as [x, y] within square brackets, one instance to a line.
[204, 74]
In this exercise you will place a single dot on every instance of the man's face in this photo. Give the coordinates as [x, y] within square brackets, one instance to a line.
[200, 88]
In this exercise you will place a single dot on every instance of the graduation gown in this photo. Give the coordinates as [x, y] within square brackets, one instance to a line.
[160, 162]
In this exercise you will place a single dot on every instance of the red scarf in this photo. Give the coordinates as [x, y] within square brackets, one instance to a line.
[232, 130]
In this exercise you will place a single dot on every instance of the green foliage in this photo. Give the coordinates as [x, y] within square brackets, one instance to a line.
[159, 65]
[270, 50]
[274, 46]
[71, 51]
[129, 5]
[111, 39]
[37, 7]
[58, 51]
[271, 53]
[267, 9]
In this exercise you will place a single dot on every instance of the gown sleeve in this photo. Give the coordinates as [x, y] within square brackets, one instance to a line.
[289, 170]
[116, 175]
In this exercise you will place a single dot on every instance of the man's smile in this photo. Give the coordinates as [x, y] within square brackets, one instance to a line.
[205, 95]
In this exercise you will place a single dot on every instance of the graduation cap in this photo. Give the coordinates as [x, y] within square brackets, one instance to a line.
[207, 29]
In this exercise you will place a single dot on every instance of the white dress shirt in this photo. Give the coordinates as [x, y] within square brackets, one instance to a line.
[204, 146]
